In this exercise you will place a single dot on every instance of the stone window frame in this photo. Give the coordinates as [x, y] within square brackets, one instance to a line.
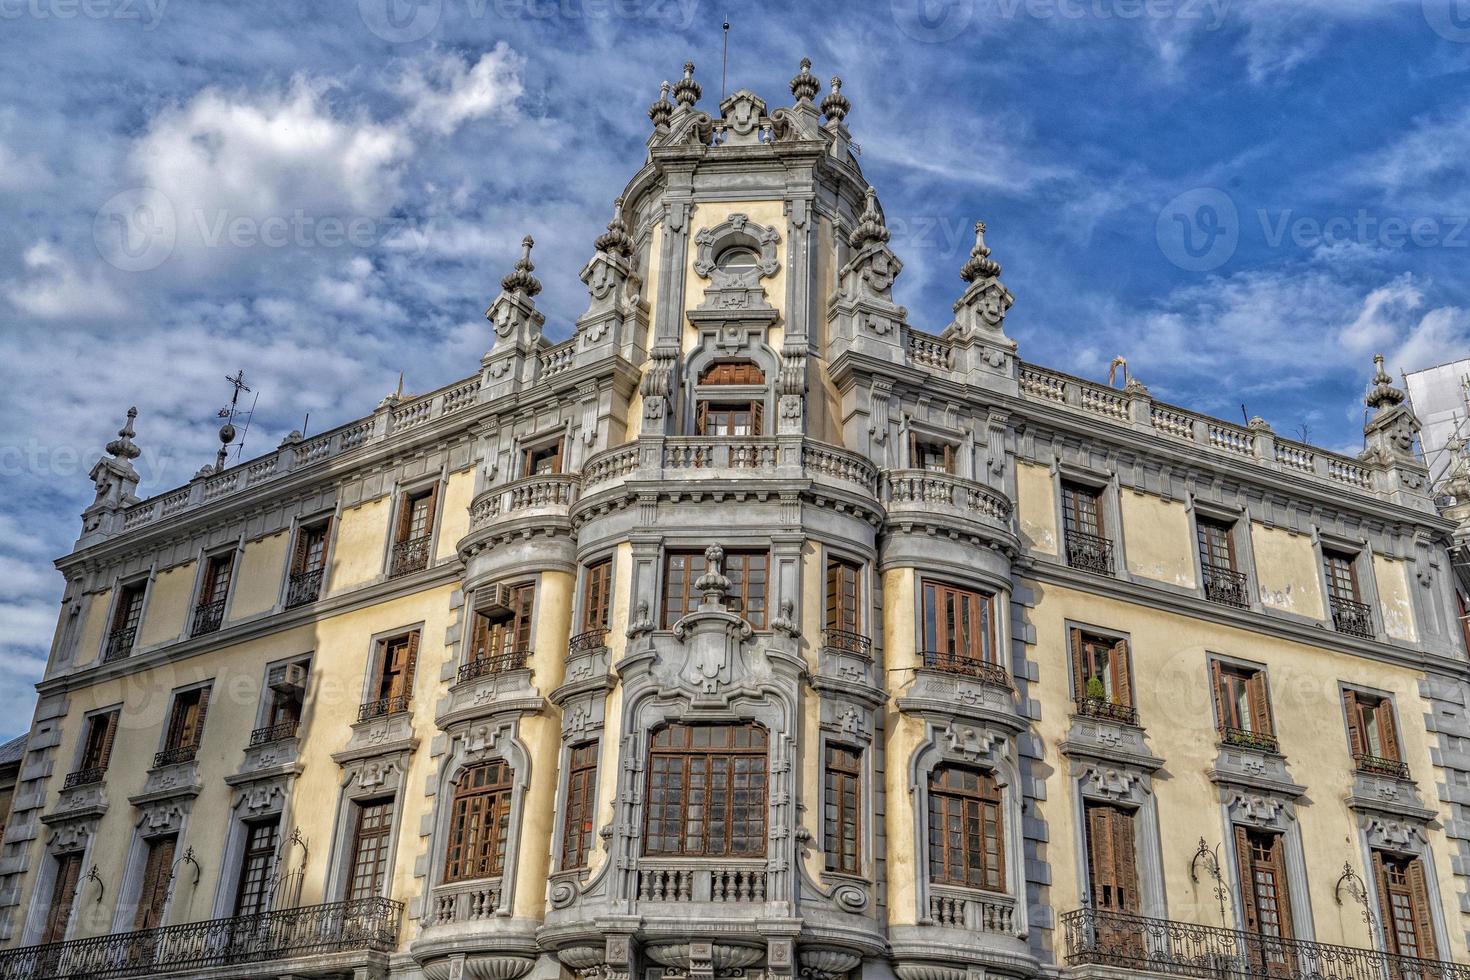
[1074, 626]
[1383, 697]
[263, 707]
[147, 579]
[1241, 539]
[130, 886]
[168, 716]
[862, 742]
[1240, 663]
[277, 795]
[401, 491]
[1361, 550]
[236, 550]
[372, 666]
[563, 797]
[1109, 488]
[1405, 839]
[531, 580]
[1272, 812]
[1000, 612]
[741, 342]
[525, 443]
[79, 750]
[1117, 784]
[585, 563]
[352, 792]
[80, 840]
[866, 581]
[960, 439]
[299, 524]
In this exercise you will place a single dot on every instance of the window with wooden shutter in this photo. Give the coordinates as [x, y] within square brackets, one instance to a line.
[707, 791]
[931, 454]
[416, 514]
[157, 878]
[966, 829]
[1082, 510]
[1464, 617]
[371, 839]
[1243, 706]
[479, 822]
[1216, 544]
[1342, 575]
[502, 634]
[393, 687]
[311, 547]
[542, 460]
[215, 586]
[843, 608]
[1264, 899]
[129, 607]
[1112, 863]
[597, 596]
[257, 866]
[1403, 903]
[1102, 677]
[957, 627]
[97, 744]
[1373, 734]
[63, 898]
[842, 810]
[185, 726]
[576, 834]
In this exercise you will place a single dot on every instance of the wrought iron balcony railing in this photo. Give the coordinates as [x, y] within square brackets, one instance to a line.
[364, 924]
[1352, 617]
[1379, 766]
[175, 755]
[951, 663]
[304, 587]
[410, 556]
[847, 641]
[1182, 949]
[592, 639]
[119, 644]
[273, 733]
[494, 663]
[1089, 552]
[1124, 714]
[84, 777]
[382, 707]
[1227, 586]
[1247, 739]
[208, 617]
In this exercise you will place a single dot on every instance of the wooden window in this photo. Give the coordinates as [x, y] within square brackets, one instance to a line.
[416, 515]
[733, 373]
[129, 607]
[257, 866]
[1102, 669]
[1242, 702]
[1216, 544]
[597, 596]
[372, 830]
[748, 572]
[966, 841]
[215, 586]
[842, 810]
[931, 455]
[504, 632]
[844, 610]
[957, 627]
[479, 822]
[1264, 901]
[730, 418]
[576, 832]
[158, 870]
[707, 791]
[186, 720]
[1404, 909]
[63, 897]
[97, 743]
[398, 657]
[1342, 575]
[543, 459]
[1112, 864]
[1082, 510]
[1372, 732]
[311, 547]
[285, 705]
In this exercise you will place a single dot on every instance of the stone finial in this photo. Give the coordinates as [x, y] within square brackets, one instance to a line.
[122, 447]
[521, 280]
[835, 106]
[1383, 394]
[686, 89]
[1257, 424]
[713, 583]
[980, 265]
[661, 110]
[804, 84]
[870, 223]
[616, 239]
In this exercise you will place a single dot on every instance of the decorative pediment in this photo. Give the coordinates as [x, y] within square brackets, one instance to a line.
[735, 255]
[1394, 834]
[970, 743]
[1260, 810]
[162, 817]
[1114, 783]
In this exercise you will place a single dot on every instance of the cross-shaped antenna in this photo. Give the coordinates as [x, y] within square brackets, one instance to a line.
[228, 413]
[238, 381]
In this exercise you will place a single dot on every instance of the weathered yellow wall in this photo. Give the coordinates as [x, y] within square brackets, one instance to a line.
[1036, 506]
[809, 739]
[1392, 578]
[357, 556]
[711, 213]
[903, 734]
[1286, 568]
[1158, 539]
[459, 491]
[169, 599]
[608, 771]
[258, 579]
[89, 639]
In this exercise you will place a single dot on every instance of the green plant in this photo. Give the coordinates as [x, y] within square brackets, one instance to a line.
[1095, 689]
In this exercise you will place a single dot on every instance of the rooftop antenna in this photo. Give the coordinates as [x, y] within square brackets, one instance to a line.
[229, 413]
[240, 449]
[725, 60]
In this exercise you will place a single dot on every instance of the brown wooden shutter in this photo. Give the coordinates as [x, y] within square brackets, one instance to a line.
[63, 896]
[105, 753]
[156, 874]
[203, 710]
[914, 462]
[1260, 704]
[1126, 860]
[1283, 888]
[1079, 668]
[1122, 673]
[1423, 921]
[1100, 861]
[1357, 744]
[701, 419]
[1249, 912]
[1385, 903]
[948, 458]
[757, 418]
[1217, 693]
[411, 661]
[1387, 730]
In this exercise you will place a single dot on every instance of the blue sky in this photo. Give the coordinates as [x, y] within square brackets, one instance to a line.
[1245, 199]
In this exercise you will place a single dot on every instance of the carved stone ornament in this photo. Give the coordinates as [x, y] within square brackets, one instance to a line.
[736, 230]
[971, 744]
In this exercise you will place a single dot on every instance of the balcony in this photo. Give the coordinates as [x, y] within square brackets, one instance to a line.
[409, 556]
[208, 617]
[119, 644]
[721, 881]
[1089, 552]
[1226, 586]
[973, 911]
[1182, 949]
[177, 755]
[926, 496]
[531, 498]
[588, 641]
[365, 925]
[714, 459]
[487, 664]
[465, 901]
[952, 663]
[847, 641]
[273, 733]
[1378, 766]
[1351, 617]
[304, 587]
[84, 777]
[1123, 714]
[382, 707]
[1245, 739]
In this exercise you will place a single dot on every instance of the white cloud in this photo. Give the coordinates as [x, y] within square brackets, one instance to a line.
[54, 288]
[446, 92]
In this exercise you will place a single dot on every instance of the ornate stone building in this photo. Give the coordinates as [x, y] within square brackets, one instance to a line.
[753, 631]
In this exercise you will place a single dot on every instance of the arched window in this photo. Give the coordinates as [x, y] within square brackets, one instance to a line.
[707, 791]
[966, 839]
[479, 822]
[737, 411]
[737, 258]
